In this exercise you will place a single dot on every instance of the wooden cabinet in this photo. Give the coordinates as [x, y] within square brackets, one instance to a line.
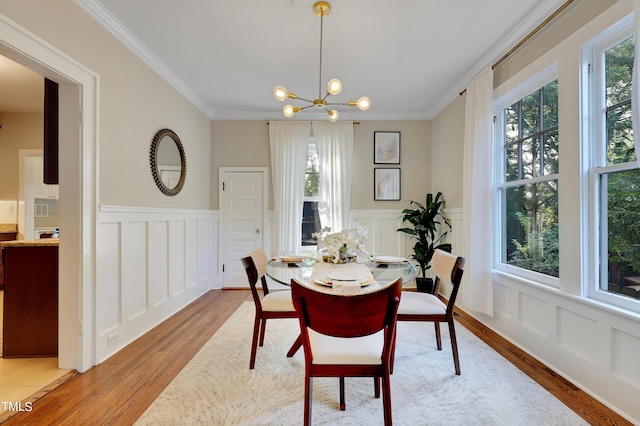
[30, 314]
[4, 236]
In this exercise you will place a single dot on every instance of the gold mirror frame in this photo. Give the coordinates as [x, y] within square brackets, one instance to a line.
[160, 167]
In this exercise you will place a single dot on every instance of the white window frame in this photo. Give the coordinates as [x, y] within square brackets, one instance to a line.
[307, 249]
[593, 141]
[538, 81]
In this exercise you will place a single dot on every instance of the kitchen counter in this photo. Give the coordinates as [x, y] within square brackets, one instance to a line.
[43, 242]
[8, 228]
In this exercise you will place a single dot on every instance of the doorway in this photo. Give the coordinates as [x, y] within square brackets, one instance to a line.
[243, 198]
[78, 140]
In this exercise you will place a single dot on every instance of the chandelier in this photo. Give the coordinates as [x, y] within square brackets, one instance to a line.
[334, 86]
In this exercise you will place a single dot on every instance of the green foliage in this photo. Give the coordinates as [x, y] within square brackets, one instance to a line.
[532, 227]
[623, 224]
[427, 228]
[540, 249]
[619, 69]
[312, 175]
[622, 188]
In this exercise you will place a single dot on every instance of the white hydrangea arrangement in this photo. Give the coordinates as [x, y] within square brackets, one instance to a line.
[343, 246]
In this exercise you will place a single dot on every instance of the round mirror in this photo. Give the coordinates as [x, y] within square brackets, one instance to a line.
[168, 163]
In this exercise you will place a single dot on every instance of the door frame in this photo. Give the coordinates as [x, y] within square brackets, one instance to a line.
[78, 130]
[221, 203]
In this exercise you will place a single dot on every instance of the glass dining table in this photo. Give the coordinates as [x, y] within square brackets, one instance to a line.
[384, 271]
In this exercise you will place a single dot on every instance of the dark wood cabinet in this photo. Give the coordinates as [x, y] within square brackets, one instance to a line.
[51, 137]
[4, 236]
[30, 313]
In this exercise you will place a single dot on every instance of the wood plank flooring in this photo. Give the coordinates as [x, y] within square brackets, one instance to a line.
[119, 390]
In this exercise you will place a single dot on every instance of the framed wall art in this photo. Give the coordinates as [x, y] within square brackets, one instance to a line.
[386, 184]
[386, 147]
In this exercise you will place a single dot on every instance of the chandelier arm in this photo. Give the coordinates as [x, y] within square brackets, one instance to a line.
[340, 103]
[303, 99]
[305, 107]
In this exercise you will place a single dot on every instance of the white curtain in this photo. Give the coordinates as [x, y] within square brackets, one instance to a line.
[334, 142]
[477, 188]
[289, 145]
[635, 83]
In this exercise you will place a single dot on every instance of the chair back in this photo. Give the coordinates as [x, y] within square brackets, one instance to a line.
[340, 315]
[448, 269]
[255, 265]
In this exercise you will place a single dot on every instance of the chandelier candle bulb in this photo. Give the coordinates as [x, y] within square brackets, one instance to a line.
[334, 86]
[364, 103]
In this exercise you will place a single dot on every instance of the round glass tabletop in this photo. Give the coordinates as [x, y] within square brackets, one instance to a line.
[383, 272]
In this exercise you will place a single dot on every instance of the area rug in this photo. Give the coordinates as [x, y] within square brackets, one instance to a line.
[217, 387]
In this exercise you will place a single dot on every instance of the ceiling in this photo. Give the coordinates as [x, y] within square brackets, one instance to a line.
[410, 57]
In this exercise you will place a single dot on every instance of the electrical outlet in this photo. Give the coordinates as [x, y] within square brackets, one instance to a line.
[112, 340]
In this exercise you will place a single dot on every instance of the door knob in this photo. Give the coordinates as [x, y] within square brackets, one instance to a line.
[257, 230]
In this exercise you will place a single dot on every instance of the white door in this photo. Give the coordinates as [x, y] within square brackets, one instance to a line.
[243, 218]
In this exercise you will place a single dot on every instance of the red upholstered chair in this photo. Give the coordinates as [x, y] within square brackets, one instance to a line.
[347, 336]
[273, 305]
[428, 307]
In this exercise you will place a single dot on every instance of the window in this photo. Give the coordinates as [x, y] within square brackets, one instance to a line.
[614, 179]
[527, 179]
[310, 217]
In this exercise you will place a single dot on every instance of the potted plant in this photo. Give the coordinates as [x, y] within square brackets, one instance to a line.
[429, 227]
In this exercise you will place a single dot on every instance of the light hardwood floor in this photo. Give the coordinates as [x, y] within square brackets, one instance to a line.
[119, 390]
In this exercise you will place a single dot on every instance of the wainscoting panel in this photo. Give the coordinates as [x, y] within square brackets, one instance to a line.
[530, 308]
[575, 333]
[134, 269]
[107, 275]
[158, 266]
[176, 257]
[150, 264]
[502, 301]
[625, 363]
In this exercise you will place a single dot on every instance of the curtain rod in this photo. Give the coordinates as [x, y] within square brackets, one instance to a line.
[530, 35]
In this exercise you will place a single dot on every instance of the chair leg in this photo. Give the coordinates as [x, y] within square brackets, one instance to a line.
[342, 403]
[454, 346]
[438, 337]
[393, 354]
[386, 400]
[294, 348]
[376, 387]
[254, 342]
[262, 330]
[308, 397]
